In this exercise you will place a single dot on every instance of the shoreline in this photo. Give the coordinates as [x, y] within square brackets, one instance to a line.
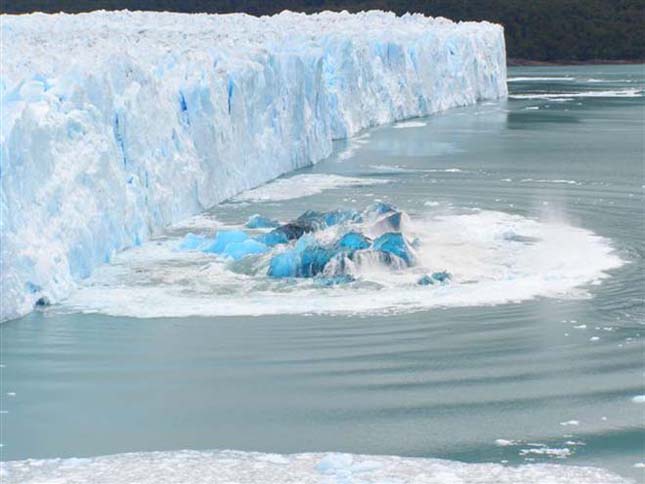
[518, 62]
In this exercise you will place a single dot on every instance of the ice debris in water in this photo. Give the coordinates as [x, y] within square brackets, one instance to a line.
[223, 238]
[330, 247]
[434, 278]
[238, 250]
[334, 261]
[233, 244]
[193, 242]
[257, 221]
[309, 221]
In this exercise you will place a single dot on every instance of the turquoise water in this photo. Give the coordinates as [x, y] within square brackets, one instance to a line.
[548, 356]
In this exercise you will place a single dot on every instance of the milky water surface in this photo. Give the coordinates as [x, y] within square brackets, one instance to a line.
[533, 353]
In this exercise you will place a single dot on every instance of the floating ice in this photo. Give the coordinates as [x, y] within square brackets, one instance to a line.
[257, 221]
[559, 453]
[194, 242]
[311, 257]
[224, 238]
[234, 244]
[117, 124]
[435, 278]
[200, 467]
[238, 250]
[394, 243]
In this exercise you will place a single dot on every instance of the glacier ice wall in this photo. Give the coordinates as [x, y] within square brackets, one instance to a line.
[115, 124]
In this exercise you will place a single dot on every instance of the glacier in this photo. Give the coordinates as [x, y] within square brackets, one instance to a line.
[116, 124]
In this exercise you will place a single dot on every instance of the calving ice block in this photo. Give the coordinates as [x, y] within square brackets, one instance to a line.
[116, 124]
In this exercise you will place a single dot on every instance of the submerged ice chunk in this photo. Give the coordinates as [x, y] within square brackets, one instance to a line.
[436, 277]
[284, 264]
[273, 238]
[257, 221]
[425, 280]
[238, 250]
[193, 242]
[223, 238]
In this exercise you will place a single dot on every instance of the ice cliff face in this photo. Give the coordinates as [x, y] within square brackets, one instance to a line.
[115, 124]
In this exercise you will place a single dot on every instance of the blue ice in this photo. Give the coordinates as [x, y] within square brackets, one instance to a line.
[224, 238]
[257, 221]
[238, 250]
[393, 243]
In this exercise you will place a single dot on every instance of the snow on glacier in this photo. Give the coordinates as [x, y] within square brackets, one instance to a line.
[117, 124]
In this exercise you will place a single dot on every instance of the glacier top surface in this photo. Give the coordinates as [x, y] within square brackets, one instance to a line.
[42, 43]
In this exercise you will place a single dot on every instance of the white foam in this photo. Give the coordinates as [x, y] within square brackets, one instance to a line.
[409, 124]
[403, 169]
[612, 81]
[557, 181]
[639, 399]
[214, 467]
[540, 79]
[632, 92]
[494, 257]
[560, 453]
[569, 423]
[299, 186]
[506, 443]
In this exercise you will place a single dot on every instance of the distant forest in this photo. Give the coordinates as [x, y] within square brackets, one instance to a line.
[537, 30]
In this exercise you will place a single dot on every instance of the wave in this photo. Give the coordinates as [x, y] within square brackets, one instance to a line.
[493, 257]
[629, 93]
[299, 186]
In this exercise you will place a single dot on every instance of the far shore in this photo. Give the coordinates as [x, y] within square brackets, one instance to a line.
[514, 62]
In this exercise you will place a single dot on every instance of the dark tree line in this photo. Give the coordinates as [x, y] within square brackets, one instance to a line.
[545, 30]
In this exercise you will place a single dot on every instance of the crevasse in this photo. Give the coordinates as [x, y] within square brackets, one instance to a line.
[116, 124]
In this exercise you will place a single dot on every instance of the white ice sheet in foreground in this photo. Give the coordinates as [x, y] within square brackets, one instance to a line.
[213, 467]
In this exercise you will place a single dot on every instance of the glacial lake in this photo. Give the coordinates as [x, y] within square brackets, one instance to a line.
[533, 353]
